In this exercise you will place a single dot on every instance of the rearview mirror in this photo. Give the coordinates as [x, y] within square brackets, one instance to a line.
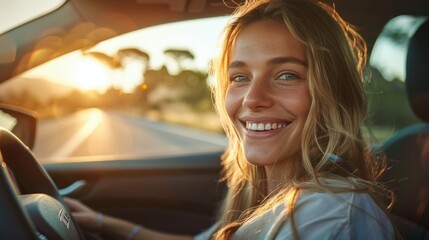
[19, 121]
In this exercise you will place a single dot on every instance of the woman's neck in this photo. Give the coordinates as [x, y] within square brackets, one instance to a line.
[279, 175]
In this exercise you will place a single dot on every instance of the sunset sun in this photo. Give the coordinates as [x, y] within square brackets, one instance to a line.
[91, 74]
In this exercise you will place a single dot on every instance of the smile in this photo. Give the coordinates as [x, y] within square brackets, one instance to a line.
[264, 126]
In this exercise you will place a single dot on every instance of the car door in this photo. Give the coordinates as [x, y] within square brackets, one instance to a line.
[177, 194]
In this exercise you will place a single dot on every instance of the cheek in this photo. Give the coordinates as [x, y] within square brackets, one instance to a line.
[232, 102]
[303, 108]
[302, 104]
[306, 104]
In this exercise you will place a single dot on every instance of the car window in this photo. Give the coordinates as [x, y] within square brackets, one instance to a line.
[389, 110]
[7, 121]
[17, 12]
[142, 94]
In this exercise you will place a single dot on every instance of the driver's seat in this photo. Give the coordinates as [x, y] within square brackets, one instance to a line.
[407, 152]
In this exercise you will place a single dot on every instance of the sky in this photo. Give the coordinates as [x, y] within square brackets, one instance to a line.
[390, 56]
[75, 69]
[200, 37]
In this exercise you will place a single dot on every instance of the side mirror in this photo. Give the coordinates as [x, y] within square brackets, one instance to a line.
[19, 121]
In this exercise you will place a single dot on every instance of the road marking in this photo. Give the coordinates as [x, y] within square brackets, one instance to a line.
[77, 139]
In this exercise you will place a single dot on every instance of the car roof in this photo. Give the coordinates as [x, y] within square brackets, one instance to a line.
[83, 23]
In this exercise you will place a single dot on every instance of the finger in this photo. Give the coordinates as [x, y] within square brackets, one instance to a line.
[86, 220]
[76, 205]
[72, 204]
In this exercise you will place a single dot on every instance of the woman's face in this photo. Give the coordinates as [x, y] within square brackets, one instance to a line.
[268, 98]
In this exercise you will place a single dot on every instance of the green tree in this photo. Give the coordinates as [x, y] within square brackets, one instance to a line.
[388, 103]
[179, 56]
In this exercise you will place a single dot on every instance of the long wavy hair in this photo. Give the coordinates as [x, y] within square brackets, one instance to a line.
[332, 145]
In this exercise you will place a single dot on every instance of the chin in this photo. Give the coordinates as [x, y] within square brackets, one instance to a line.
[260, 160]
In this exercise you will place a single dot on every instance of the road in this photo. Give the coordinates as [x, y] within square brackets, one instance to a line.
[113, 135]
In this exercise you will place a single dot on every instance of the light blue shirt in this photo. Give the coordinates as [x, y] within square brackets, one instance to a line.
[319, 215]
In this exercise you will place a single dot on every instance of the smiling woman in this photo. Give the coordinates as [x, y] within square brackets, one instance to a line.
[290, 94]
[252, 100]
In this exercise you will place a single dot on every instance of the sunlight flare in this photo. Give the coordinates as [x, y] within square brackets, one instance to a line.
[91, 74]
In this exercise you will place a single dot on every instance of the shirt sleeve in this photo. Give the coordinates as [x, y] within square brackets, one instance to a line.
[345, 216]
[368, 221]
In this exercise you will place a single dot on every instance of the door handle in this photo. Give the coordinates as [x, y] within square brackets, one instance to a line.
[72, 188]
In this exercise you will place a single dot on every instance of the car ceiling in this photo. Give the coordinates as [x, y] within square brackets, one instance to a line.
[83, 23]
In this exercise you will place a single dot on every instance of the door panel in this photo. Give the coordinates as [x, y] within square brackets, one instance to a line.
[173, 194]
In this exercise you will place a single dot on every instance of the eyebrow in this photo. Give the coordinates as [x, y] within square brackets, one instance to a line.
[273, 61]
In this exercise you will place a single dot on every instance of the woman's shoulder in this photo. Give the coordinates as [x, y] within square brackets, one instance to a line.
[340, 201]
[338, 214]
[338, 205]
[338, 193]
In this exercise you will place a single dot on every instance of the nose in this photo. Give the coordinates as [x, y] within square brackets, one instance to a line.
[258, 95]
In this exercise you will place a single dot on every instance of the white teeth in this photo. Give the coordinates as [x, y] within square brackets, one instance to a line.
[262, 126]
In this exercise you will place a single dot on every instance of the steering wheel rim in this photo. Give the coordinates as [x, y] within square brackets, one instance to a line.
[35, 182]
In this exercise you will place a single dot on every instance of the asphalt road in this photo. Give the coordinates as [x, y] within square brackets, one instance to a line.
[93, 134]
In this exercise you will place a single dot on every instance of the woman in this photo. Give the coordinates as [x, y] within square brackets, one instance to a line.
[290, 94]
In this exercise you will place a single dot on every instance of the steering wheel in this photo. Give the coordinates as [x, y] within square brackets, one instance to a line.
[39, 211]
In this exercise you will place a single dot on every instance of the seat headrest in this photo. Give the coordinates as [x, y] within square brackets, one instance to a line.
[417, 72]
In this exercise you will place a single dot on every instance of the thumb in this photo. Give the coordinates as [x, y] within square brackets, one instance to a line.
[88, 220]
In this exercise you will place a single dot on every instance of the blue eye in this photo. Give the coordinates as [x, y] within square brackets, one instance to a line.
[239, 78]
[288, 76]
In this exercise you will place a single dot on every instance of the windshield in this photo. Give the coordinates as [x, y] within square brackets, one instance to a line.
[141, 94]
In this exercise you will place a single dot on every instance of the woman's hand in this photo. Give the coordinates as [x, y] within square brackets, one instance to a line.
[115, 228]
[85, 216]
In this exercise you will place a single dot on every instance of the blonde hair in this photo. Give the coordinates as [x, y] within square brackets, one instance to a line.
[336, 56]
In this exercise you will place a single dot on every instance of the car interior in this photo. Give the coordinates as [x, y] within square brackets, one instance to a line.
[175, 193]
[407, 152]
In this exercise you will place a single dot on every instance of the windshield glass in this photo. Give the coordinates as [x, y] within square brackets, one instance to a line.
[141, 94]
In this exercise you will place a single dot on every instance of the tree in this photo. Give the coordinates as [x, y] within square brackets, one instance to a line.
[118, 60]
[110, 61]
[179, 56]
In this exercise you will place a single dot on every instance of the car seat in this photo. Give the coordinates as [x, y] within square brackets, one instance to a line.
[407, 152]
